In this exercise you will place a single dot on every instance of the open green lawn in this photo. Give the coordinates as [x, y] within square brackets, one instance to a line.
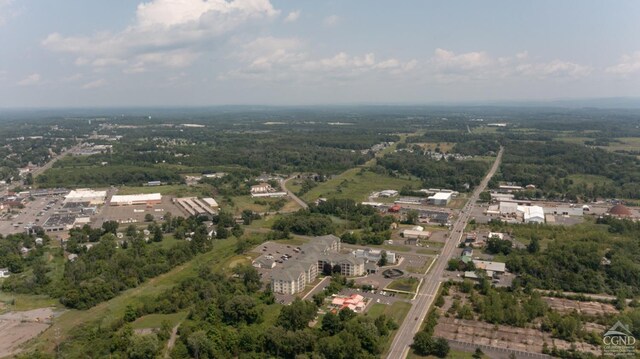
[264, 222]
[241, 259]
[167, 242]
[260, 205]
[444, 146]
[589, 180]
[155, 320]
[21, 302]
[459, 201]
[424, 267]
[357, 184]
[113, 309]
[404, 284]
[397, 311]
[178, 190]
[622, 144]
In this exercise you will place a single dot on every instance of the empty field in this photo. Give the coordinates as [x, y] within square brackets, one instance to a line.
[404, 284]
[357, 184]
[153, 321]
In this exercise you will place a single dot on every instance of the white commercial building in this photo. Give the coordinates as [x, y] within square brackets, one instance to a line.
[86, 195]
[388, 193]
[532, 214]
[440, 198]
[490, 267]
[136, 199]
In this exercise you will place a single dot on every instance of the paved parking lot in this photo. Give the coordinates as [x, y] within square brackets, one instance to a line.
[136, 214]
[33, 212]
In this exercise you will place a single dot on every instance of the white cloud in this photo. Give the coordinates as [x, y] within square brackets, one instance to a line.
[555, 68]
[292, 16]
[279, 59]
[447, 60]
[166, 33]
[94, 84]
[628, 65]
[32, 79]
[331, 20]
[448, 66]
[7, 11]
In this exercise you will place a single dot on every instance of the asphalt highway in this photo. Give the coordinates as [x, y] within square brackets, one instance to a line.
[432, 280]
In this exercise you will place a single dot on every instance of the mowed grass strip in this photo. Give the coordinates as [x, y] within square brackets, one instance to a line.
[396, 311]
[153, 321]
[404, 284]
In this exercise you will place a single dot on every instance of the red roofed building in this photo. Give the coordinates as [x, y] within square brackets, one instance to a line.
[354, 302]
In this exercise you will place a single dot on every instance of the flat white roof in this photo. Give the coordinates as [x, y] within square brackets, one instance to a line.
[442, 196]
[490, 266]
[411, 232]
[531, 211]
[85, 193]
[210, 201]
[136, 198]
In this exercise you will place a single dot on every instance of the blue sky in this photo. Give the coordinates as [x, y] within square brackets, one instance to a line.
[82, 53]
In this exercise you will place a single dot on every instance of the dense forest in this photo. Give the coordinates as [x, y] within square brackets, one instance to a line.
[230, 316]
[106, 265]
[585, 258]
[550, 167]
[456, 175]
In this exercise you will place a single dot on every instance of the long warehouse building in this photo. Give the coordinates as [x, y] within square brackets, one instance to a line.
[136, 199]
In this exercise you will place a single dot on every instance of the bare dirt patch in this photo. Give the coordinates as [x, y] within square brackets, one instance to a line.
[17, 328]
[502, 336]
[590, 308]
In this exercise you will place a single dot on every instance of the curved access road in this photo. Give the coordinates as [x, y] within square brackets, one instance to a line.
[432, 280]
[299, 201]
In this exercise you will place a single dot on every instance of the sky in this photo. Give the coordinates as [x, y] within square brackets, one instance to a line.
[100, 53]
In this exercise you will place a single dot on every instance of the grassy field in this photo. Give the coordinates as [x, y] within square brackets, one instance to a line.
[397, 311]
[589, 180]
[404, 284]
[444, 146]
[167, 242]
[22, 302]
[357, 184]
[104, 313]
[424, 267]
[459, 201]
[155, 320]
[240, 203]
[622, 144]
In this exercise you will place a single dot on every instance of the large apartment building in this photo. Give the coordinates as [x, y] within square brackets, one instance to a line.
[317, 254]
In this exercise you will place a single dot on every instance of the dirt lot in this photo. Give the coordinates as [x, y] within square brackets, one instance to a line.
[589, 308]
[502, 336]
[18, 327]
